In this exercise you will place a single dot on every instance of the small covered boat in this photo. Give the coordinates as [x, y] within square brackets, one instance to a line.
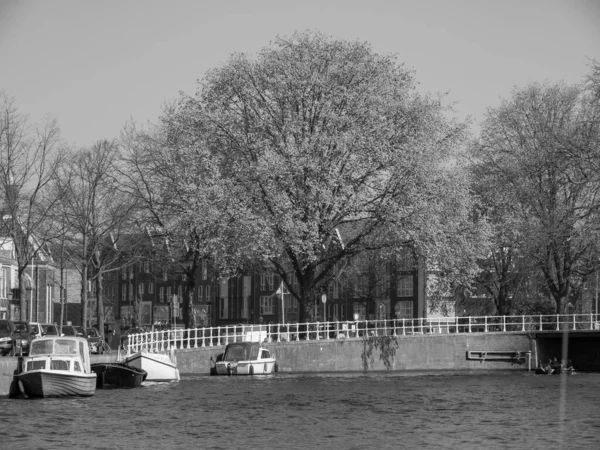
[159, 366]
[57, 366]
[118, 375]
[244, 358]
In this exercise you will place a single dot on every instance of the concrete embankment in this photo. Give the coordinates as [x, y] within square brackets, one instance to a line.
[414, 353]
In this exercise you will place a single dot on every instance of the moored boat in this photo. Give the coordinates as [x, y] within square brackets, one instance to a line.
[57, 366]
[159, 366]
[244, 358]
[118, 375]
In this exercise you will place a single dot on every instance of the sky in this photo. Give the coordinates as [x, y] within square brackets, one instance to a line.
[94, 65]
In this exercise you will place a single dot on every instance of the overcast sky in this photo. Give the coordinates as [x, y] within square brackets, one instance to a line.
[95, 64]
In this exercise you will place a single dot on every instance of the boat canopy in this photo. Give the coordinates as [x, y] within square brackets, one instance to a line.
[242, 351]
[58, 346]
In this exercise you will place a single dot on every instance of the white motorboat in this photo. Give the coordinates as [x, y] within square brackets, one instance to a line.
[57, 366]
[244, 358]
[159, 366]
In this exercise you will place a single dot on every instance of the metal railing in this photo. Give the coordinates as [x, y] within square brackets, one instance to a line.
[163, 340]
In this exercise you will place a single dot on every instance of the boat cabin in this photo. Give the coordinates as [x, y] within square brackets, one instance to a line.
[68, 353]
[245, 351]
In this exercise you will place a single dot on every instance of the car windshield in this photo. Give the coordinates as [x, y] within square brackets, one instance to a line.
[50, 330]
[21, 328]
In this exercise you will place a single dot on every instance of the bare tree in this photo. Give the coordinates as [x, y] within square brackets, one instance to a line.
[97, 216]
[533, 146]
[30, 157]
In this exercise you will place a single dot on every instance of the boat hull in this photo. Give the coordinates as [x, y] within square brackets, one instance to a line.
[118, 375]
[158, 366]
[263, 367]
[48, 384]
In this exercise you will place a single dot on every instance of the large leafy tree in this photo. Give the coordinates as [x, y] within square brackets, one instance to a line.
[532, 149]
[274, 153]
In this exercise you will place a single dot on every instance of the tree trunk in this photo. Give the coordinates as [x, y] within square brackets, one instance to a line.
[100, 304]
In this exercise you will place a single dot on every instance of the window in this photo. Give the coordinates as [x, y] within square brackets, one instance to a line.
[161, 294]
[150, 288]
[204, 270]
[404, 310]
[207, 297]
[405, 260]
[169, 294]
[224, 308]
[124, 293]
[263, 281]
[123, 273]
[405, 286]
[146, 267]
[141, 288]
[270, 280]
[266, 304]
[164, 275]
[291, 304]
[360, 310]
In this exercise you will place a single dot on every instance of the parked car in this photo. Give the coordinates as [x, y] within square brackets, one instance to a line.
[7, 337]
[49, 329]
[36, 329]
[80, 331]
[69, 330]
[24, 335]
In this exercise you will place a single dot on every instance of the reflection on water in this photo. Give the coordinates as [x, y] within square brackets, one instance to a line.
[337, 411]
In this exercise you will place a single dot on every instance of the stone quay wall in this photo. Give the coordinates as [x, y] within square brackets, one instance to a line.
[405, 353]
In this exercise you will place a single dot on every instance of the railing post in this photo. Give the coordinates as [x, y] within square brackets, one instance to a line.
[469, 324]
[574, 328]
[557, 322]
[318, 337]
[485, 328]
[504, 323]
[403, 328]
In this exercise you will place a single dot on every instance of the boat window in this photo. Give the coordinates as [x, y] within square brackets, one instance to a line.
[65, 347]
[77, 366]
[36, 365]
[41, 347]
[235, 353]
[265, 354]
[59, 364]
[81, 350]
[254, 352]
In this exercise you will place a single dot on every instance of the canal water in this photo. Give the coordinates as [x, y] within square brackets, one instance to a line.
[449, 410]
